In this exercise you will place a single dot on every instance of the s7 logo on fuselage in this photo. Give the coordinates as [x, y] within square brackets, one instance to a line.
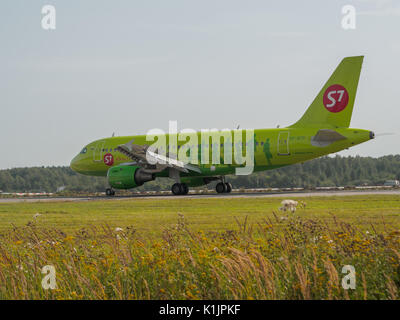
[108, 159]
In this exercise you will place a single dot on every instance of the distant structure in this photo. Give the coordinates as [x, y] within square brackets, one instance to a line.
[62, 188]
[392, 183]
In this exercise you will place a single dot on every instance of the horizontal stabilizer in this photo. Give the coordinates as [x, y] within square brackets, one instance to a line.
[325, 137]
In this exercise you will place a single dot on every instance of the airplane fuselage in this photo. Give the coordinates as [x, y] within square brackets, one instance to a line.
[273, 148]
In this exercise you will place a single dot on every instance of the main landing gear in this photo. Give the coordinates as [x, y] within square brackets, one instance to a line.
[179, 189]
[110, 192]
[223, 187]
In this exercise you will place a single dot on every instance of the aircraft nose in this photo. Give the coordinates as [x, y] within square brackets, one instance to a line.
[74, 165]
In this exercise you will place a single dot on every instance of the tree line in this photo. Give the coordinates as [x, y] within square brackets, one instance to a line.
[321, 172]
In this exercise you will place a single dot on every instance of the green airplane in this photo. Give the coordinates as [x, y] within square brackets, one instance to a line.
[130, 161]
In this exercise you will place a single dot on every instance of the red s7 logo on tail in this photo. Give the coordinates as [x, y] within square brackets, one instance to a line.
[335, 98]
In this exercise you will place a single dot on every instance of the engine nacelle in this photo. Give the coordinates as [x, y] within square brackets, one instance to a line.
[128, 177]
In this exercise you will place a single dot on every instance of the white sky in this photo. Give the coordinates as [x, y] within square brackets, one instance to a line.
[130, 66]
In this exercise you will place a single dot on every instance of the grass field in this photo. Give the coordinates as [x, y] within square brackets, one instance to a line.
[212, 248]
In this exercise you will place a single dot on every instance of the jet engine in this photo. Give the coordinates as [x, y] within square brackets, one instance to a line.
[128, 177]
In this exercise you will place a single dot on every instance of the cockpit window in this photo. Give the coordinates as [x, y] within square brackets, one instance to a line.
[84, 150]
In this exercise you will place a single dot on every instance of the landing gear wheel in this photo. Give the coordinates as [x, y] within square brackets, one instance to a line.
[176, 189]
[185, 188]
[220, 187]
[179, 189]
[228, 187]
[110, 192]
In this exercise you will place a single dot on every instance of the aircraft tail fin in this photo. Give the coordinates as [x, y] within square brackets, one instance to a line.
[333, 106]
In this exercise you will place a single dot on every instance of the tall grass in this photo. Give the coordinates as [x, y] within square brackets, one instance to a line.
[283, 257]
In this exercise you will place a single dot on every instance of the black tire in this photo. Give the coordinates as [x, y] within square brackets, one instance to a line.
[176, 189]
[220, 187]
[185, 188]
[228, 187]
[109, 192]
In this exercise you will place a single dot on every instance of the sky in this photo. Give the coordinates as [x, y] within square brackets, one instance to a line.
[126, 67]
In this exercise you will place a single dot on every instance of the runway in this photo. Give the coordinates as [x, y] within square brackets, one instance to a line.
[294, 194]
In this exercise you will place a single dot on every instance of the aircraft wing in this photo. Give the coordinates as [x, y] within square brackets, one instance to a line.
[141, 157]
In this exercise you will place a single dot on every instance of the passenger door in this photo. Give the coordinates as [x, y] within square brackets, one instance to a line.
[98, 151]
[283, 143]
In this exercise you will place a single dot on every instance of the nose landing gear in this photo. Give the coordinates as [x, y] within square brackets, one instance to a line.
[110, 192]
